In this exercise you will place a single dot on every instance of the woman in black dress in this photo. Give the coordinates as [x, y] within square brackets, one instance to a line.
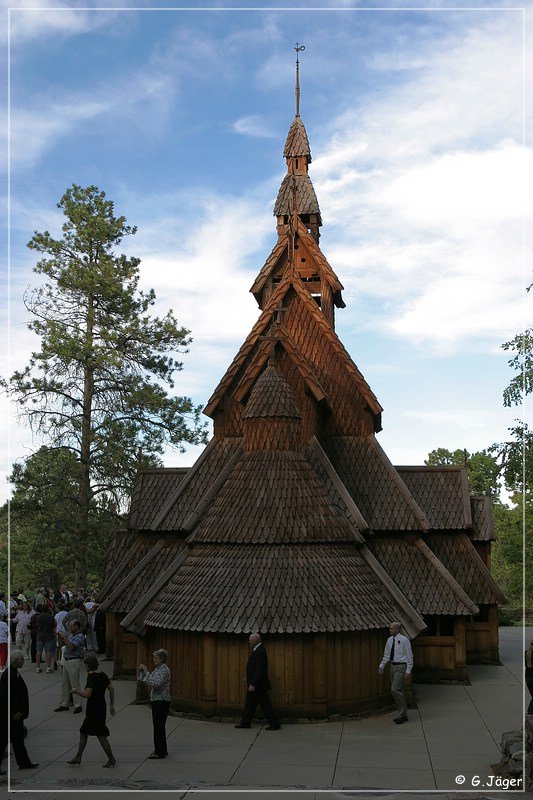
[95, 712]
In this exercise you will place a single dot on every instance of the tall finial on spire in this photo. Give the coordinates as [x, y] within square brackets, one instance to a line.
[298, 47]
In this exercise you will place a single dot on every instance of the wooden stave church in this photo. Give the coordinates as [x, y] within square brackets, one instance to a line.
[293, 521]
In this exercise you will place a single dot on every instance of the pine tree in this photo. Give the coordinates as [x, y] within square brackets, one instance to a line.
[98, 383]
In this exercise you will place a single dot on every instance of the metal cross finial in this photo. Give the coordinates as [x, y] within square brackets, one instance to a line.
[298, 47]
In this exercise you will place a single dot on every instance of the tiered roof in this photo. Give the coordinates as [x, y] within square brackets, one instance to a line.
[293, 519]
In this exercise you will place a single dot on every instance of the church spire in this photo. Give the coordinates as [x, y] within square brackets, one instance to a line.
[298, 47]
[297, 187]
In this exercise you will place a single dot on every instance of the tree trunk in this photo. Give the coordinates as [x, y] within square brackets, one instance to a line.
[84, 495]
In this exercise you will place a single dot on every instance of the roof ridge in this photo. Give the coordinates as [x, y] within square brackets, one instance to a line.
[119, 588]
[448, 577]
[184, 483]
[130, 620]
[417, 511]
[288, 282]
[415, 622]
[342, 491]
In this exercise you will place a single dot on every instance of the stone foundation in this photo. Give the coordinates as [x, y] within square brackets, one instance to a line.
[517, 756]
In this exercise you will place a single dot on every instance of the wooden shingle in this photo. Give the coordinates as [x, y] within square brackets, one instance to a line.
[297, 142]
[482, 519]
[374, 484]
[457, 553]
[306, 200]
[430, 590]
[442, 492]
[152, 488]
[276, 589]
[274, 496]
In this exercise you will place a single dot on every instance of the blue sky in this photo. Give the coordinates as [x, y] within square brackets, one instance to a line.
[420, 164]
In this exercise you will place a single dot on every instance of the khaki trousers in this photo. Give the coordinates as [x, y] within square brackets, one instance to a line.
[71, 680]
[397, 674]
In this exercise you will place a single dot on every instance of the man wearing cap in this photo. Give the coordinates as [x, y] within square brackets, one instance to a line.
[400, 654]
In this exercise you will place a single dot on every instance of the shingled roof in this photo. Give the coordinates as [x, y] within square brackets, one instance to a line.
[173, 514]
[138, 580]
[374, 484]
[316, 328]
[423, 579]
[131, 553]
[274, 497]
[304, 192]
[297, 142]
[152, 488]
[482, 519]
[278, 259]
[442, 493]
[457, 553]
[281, 589]
[271, 397]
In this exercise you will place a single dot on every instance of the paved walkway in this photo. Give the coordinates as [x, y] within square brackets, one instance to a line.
[456, 730]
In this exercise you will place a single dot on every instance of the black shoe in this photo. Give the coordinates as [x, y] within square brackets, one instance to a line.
[154, 755]
[77, 710]
[273, 728]
[29, 766]
[400, 720]
[61, 708]
[240, 725]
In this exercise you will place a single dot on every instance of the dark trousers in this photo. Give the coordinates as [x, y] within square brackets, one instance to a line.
[254, 699]
[160, 710]
[17, 742]
[529, 684]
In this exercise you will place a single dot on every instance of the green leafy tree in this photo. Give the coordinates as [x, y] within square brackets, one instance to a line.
[522, 363]
[482, 468]
[98, 383]
[44, 520]
[513, 553]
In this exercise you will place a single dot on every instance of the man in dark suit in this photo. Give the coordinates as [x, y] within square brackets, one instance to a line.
[12, 717]
[258, 686]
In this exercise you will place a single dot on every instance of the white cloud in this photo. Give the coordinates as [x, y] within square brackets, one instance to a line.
[33, 132]
[32, 19]
[253, 125]
[426, 189]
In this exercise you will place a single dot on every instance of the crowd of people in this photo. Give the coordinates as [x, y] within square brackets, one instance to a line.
[50, 627]
[34, 620]
[60, 627]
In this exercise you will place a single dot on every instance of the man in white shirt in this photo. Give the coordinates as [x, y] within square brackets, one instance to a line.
[400, 654]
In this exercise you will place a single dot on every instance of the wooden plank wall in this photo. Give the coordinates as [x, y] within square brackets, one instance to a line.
[482, 639]
[311, 675]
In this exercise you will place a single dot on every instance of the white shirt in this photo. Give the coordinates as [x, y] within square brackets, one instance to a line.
[59, 617]
[403, 652]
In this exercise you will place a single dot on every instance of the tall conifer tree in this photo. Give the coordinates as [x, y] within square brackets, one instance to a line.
[98, 383]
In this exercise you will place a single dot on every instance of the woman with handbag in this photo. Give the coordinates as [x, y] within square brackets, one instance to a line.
[159, 683]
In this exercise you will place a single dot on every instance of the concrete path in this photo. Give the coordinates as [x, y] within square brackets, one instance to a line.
[455, 731]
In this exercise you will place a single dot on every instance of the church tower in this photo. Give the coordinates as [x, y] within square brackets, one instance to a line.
[298, 226]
